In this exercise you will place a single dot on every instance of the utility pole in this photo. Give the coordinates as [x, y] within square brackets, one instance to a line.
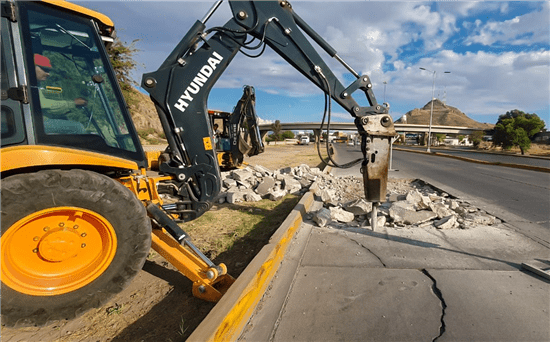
[432, 107]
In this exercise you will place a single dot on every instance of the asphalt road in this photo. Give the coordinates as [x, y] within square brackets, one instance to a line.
[490, 157]
[519, 197]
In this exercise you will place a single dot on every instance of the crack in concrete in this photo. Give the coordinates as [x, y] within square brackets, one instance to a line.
[439, 295]
[371, 252]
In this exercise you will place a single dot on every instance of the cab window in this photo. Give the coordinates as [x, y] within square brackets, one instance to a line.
[73, 97]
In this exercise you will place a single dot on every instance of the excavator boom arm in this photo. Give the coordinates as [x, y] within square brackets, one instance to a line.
[180, 88]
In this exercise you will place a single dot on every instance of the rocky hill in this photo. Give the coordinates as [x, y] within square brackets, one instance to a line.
[145, 117]
[443, 115]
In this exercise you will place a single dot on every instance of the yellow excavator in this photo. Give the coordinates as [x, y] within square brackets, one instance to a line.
[81, 203]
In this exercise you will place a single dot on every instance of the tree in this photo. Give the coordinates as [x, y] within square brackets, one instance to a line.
[440, 137]
[276, 128]
[476, 138]
[516, 128]
[288, 135]
[121, 55]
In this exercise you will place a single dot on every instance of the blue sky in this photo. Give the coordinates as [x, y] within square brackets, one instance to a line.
[498, 54]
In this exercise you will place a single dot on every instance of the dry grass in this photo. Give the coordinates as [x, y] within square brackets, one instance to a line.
[535, 150]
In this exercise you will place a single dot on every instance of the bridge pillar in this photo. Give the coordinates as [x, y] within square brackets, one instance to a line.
[263, 134]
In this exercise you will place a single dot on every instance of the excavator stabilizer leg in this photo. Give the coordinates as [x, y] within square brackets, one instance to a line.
[210, 281]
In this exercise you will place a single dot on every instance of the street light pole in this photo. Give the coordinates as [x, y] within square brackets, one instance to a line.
[385, 91]
[432, 107]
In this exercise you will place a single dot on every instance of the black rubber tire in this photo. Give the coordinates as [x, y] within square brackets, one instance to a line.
[25, 194]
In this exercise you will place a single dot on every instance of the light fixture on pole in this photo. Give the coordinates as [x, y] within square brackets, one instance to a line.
[432, 107]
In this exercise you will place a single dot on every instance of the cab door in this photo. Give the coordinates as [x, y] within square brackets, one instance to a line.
[14, 91]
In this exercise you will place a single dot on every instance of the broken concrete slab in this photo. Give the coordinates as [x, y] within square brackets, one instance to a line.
[241, 174]
[265, 185]
[446, 222]
[441, 210]
[401, 215]
[419, 200]
[358, 207]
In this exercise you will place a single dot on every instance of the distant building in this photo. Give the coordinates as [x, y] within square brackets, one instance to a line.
[542, 137]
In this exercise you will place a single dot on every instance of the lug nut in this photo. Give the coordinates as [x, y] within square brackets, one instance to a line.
[46, 229]
[83, 245]
[35, 250]
[36, 238]
[75, 226]
[83, 234]
[61, 224]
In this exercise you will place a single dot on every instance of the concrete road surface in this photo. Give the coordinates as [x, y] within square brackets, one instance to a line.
[352, 284]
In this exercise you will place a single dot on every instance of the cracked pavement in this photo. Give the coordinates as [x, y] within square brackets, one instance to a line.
[399, 284]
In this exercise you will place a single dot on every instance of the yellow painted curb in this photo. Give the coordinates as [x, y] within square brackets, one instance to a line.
[228, 318]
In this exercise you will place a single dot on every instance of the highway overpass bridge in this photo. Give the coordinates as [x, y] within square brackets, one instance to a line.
[350, 126]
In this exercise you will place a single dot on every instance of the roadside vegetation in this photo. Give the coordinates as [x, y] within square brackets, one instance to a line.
[516, 129]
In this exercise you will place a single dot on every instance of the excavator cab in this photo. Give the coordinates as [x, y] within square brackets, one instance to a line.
[58, 88]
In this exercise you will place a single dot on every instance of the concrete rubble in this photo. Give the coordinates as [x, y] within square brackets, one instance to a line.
[409, 204]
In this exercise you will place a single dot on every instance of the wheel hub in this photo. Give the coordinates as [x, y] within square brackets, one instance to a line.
[56, 250]
[59, 244]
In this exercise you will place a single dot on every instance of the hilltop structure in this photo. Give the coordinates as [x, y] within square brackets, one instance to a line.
[443, 115]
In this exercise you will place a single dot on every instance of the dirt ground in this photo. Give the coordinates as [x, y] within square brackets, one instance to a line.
[158, 304]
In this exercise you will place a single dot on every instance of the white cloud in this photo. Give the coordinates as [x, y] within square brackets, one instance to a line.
[480, 83]
[520, 30]
[371, 36]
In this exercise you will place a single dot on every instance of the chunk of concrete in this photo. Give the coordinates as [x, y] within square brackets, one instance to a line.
[234, 197]
[341, 215]
[419, 200]
[358, 207]
[250, 196]
[440, 210]
[322, 217]
[401, 215]
[291, 185]
[380, 221]
[228, 183]
[265, 185]
[277, 195]
[448, 222]
[241, 174]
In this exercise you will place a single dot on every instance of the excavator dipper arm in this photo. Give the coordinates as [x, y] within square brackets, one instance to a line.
[180, 88]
